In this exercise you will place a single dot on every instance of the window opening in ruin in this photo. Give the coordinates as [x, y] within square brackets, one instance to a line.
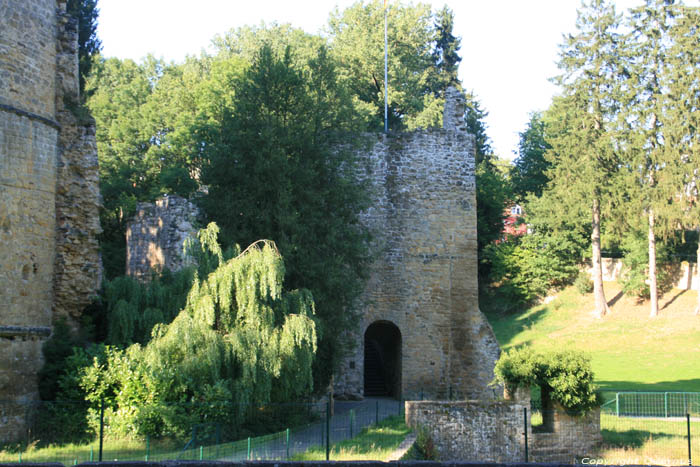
[382, 363]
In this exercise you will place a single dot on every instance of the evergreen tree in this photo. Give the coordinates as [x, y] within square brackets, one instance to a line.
[89, 45]
[648, 101]
[445, 56]
[684, 112]
[276, 169]
[528, 174]
[583, 155]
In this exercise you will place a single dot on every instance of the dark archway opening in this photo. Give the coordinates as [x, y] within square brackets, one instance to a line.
[383, 360]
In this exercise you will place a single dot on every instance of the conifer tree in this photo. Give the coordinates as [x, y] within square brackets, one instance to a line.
[684, 112]
[583, 156]
[653, 154]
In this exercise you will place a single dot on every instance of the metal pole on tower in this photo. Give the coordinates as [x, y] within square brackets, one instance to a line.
[386, 73]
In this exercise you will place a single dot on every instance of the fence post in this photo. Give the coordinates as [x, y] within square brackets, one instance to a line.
[665, 405]
[328, 429]
[287, 443]
[690, 458]
[525, 431]
[617, 404]
[92, 454]
[102, 428]
[20, 457]
[376, 413]
[352, 420]
[148, 447]
[201, 452]
[248, 455]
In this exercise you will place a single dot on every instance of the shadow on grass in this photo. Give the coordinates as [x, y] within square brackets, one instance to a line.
[683, 385]
[506, 328]
[668, 303]
[633, 438]
[616, 298]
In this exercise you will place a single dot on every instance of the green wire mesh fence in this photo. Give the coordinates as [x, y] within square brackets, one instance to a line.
[44, 441]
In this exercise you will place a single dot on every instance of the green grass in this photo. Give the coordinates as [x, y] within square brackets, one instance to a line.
[373, 443]
[69, 454]
[629, 351]
[647, 441]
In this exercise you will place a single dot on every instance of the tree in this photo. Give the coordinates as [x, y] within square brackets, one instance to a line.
[583, 155]
[528, 174]
[684, 111]
[356, 38]
[241, 341]
[276, 159]
[648, 101]
[445, 56]
[89, 45]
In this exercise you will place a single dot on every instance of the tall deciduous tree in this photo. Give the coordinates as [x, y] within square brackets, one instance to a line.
[583, 155]
[357, 39]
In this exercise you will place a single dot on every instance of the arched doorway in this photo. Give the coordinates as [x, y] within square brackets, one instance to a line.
[383, 360]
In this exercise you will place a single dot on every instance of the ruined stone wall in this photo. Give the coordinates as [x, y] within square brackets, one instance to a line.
[477, 431]
[43, 245]
[156, 234]
[425, 278]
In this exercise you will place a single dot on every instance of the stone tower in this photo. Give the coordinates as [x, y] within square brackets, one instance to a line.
[421, 332]
[49, 194]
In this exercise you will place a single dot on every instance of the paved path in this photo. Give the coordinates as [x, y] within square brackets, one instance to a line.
[348, 420]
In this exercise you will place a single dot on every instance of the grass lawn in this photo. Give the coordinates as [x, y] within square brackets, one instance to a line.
[373, 443]
[629, 351]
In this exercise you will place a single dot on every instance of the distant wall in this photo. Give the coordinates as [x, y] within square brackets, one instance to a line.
[156, 234]
[687, 273]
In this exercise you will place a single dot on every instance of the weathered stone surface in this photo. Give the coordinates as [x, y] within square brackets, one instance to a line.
[49, 262]
[425, 278]
[479, 431]
[155, 236]
[78, 266]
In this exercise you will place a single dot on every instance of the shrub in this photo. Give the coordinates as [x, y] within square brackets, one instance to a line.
[566, 376]
[583, 282]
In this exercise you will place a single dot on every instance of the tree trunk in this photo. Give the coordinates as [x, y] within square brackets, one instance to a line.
[601, 304]
[652, 268]
[697, 271]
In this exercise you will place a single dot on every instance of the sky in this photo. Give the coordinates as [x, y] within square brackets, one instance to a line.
[509, 47]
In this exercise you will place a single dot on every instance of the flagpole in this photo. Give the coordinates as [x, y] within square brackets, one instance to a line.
[386, 74]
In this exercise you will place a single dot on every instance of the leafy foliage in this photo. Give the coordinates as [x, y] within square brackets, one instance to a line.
[276, 159]
[240, 340]
[566, 376]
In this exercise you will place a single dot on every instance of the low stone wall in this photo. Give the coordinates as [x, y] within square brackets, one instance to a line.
[685, 273]
[480, 431]
[571, 438]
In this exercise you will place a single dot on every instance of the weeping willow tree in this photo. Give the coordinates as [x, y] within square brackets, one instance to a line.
[240, 341]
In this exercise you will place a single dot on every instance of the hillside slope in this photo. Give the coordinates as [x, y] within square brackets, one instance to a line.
[629, 350]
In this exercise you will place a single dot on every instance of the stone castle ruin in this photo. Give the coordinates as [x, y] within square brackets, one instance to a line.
[49, 197]
[421, 331]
